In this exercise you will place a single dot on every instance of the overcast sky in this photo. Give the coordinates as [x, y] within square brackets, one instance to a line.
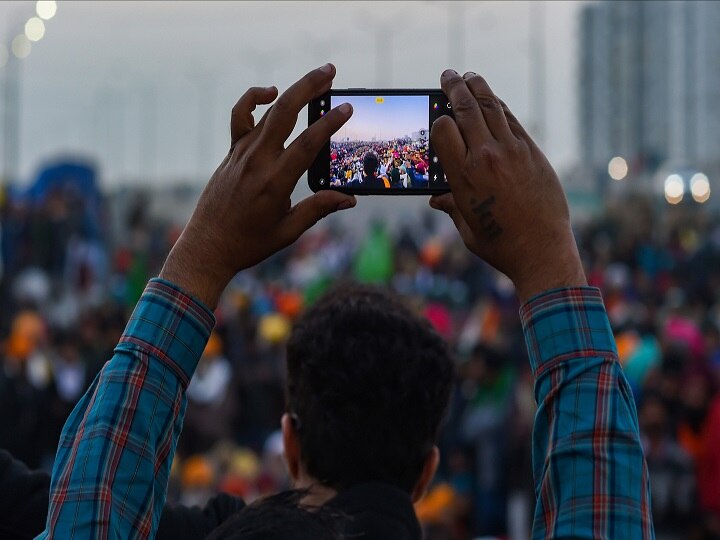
[146, 88]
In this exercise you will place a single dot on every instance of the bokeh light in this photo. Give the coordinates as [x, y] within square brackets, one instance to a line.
[617, 168]
[34, 29]
[46, 9]
[700, 187]
[21, 46]
[674, 189]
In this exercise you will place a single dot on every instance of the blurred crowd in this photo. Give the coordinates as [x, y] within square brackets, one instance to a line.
[70, 281]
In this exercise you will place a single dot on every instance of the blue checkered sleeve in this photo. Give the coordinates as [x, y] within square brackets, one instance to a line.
[591, 479]
[113, 460]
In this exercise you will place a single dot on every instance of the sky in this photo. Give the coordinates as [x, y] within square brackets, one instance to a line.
[145, 88]
[382, 118]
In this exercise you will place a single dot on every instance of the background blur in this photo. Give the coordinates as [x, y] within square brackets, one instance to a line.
[114, 115]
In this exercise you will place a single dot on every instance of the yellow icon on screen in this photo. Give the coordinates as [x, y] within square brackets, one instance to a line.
[379, 99]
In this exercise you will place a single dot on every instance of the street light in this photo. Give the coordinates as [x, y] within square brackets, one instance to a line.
[21, 45]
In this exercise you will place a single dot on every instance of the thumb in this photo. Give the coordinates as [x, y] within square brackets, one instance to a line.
[444, 202]
[312, 209]
[450, 147]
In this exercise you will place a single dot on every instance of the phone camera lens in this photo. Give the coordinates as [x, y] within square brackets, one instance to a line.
[435, 159]
[322, 181]
[322, 102]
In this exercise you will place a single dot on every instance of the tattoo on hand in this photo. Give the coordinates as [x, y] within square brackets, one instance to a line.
[487, 221]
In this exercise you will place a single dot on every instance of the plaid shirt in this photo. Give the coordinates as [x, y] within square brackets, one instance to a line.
[111, 470]
[591, 479]
[113, 460]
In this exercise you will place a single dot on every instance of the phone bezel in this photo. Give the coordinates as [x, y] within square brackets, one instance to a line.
[320, 167]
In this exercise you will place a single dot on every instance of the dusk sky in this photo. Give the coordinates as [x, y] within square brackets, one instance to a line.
[146, 88]
[391, 117]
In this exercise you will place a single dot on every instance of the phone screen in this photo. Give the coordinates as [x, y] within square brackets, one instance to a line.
[385, 146]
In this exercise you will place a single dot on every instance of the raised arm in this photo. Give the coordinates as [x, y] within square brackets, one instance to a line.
[110, 474]
[507, 203]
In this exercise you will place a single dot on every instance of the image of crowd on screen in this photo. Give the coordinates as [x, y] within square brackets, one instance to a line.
[398, 163]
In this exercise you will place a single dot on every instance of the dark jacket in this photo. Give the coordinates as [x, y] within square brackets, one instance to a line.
[373, 182]
[24, 504]
[378, 512]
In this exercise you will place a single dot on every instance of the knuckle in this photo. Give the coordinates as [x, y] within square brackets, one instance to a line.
[516, 147]
[486, 156]
[306, 142]
[251, 161]
[282, 106]
[487, 152]
[465, 105]
[488, 102]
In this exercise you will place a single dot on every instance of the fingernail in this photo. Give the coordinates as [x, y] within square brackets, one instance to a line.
[345, 205]
[345, 108]
[469, 74]
[327, 68]
[449, 72]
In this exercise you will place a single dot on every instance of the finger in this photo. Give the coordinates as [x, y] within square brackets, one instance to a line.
[465, 109]
[450, 148]
[515, 126]
[283, 114]
[303, 150]
[446, 203]
[490, 106]
[241, 118]
[312, 209]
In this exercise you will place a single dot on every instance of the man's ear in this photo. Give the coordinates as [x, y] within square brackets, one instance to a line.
[291, 443]
[428, 473]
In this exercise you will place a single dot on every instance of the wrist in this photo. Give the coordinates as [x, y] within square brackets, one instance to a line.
[195, 274]
[550, 269]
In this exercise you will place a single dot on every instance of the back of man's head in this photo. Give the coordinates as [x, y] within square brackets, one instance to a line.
[370, 164]
[369, 382]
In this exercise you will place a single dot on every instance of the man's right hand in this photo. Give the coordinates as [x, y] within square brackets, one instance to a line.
[506, 200]
[244, 215]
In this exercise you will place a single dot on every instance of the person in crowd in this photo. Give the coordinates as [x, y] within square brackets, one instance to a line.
[368, 380]
[673, 486]
[370, 177]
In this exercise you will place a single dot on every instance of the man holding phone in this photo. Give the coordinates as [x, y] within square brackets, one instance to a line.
[111, 469]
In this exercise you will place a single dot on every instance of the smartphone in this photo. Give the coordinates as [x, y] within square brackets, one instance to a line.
[384, 149]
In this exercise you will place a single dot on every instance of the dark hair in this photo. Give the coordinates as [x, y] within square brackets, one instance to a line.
[370, 163]
[369, 382]
[282, 517]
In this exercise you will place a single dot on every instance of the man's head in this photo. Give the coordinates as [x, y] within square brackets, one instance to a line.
[370, 164]
[368, 384]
